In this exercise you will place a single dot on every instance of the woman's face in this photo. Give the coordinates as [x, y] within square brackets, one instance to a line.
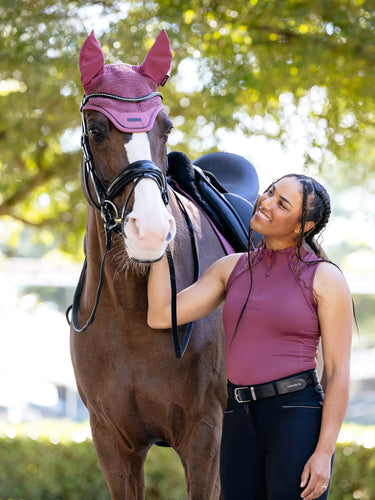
[278, 213]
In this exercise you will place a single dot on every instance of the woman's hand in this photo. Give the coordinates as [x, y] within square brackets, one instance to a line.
[316, 476]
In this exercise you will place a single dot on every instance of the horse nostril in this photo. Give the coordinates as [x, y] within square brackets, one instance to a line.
[172, 230]
[132, 228]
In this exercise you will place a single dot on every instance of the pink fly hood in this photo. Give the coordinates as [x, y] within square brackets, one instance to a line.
[124, 80]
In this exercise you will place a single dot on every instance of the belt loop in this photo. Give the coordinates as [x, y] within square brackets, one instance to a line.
[252, 390]
[276, 389]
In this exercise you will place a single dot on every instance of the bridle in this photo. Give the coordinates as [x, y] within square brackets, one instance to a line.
[114, 221]
[135, 172]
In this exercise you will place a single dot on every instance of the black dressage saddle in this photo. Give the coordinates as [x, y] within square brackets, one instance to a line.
[224, 185]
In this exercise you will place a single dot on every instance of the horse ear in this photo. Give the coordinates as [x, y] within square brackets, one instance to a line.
[91, 60]
[158, 61]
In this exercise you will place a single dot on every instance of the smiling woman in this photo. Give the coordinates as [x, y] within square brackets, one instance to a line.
[279, 300]
[278, 214]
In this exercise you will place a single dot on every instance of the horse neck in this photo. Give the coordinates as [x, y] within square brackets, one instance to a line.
[206, 240]
[119, 277]
[182, 244]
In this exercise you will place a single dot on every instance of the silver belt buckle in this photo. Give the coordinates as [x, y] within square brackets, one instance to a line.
[236, 397]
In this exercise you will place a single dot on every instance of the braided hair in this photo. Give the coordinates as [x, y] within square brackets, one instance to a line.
[316, 207]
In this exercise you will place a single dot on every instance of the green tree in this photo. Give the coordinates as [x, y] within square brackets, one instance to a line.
[261, 65]
[39, 102]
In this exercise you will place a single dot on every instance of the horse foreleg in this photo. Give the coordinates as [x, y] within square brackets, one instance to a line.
[200, 456]
[121, 463]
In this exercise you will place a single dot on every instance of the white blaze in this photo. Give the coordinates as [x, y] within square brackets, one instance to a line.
[138, 148]
[149, 226]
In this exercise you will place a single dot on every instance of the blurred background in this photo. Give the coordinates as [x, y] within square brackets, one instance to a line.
[288, 85]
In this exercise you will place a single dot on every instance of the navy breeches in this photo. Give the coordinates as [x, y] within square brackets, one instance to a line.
[266, 444]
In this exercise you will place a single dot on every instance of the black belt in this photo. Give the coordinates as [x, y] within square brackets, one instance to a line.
[248, 393]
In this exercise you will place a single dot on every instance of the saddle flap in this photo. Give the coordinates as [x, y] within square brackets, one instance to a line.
[230, 223]
[230, 212]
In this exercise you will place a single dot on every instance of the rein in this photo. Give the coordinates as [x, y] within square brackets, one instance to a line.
[180, 348]
[113, 221]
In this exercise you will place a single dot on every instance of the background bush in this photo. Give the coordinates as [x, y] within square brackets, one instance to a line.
[353, 473]
[55, 467]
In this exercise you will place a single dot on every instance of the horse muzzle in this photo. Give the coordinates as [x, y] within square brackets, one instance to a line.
[148, 248]
[150, 226]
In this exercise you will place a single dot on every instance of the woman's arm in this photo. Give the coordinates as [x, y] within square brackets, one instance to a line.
[335, 314]
[193, 302]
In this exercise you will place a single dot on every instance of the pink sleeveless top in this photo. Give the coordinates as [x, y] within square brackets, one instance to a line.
[278, 334]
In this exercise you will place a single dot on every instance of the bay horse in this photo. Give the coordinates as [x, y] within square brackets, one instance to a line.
[137, 392]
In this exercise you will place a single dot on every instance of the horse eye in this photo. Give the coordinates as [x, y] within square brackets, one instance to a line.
[167, 132]
[96, 134]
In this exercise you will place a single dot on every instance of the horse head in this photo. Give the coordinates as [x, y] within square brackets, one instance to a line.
[124, 135]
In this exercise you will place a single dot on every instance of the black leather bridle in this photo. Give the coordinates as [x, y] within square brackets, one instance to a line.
[114, 221]
[135, 171]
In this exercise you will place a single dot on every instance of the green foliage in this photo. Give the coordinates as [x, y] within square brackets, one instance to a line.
[354, 473]
[164, 475]
[41, 470]
[51, 466]
[255, 53]
[262, 65]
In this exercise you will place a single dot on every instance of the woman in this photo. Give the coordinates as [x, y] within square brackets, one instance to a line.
[280, 299]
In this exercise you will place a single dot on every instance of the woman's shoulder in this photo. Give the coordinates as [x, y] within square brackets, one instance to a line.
[330, 279]
[329, 271]
[226, 265]
[229, 263]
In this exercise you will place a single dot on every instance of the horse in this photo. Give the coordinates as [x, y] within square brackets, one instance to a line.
[137, 392]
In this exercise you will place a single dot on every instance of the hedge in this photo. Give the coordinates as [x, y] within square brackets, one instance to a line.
[41, 467]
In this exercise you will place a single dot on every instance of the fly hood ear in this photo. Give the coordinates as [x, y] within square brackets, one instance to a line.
[91, 61]
[158, 61]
